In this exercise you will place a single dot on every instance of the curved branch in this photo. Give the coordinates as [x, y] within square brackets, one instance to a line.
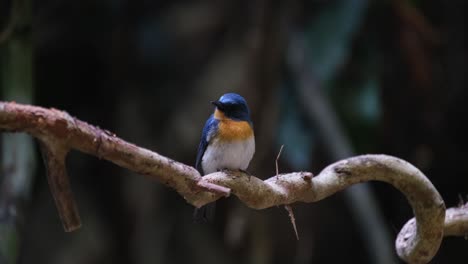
[416, 246]
[456, 223]
[57, 128]
[51, 125]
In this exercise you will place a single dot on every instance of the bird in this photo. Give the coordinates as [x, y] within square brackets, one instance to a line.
[227, 143]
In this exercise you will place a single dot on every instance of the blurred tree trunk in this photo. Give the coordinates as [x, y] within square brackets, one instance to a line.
[17, 156]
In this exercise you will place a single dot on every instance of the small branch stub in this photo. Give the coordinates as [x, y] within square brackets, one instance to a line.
[292, 218]
[276, 162]
[54, 160]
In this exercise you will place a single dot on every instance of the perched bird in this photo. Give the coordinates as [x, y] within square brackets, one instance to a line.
[227, 142]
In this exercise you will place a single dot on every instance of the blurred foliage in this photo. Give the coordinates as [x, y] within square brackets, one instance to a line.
[329, 42]
[395, 72]
[294, 132]
[18, 158]
[8, 242]
[330, 37]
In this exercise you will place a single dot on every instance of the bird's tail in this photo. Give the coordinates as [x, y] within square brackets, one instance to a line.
[204, 214]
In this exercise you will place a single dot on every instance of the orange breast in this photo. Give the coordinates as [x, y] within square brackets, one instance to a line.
[234, 130]
[231, 129]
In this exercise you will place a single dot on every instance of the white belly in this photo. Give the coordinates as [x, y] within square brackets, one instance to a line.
[233, 155]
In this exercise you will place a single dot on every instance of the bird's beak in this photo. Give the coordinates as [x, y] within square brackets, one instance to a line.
[218, 104]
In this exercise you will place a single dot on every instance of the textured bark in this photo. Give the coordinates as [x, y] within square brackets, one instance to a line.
[456, 221]
[59, 184]
[418, 241]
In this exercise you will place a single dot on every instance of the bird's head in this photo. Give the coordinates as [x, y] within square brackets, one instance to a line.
[233, 106]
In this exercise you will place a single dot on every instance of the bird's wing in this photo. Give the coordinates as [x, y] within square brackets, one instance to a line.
[207, 134]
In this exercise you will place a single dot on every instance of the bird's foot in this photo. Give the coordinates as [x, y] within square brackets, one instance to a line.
[240, 170]
[246, 172]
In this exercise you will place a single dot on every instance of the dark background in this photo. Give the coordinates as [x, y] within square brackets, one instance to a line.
[393, 72]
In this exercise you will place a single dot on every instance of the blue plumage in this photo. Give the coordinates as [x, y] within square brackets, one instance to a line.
[208, 130]
[227, 142]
